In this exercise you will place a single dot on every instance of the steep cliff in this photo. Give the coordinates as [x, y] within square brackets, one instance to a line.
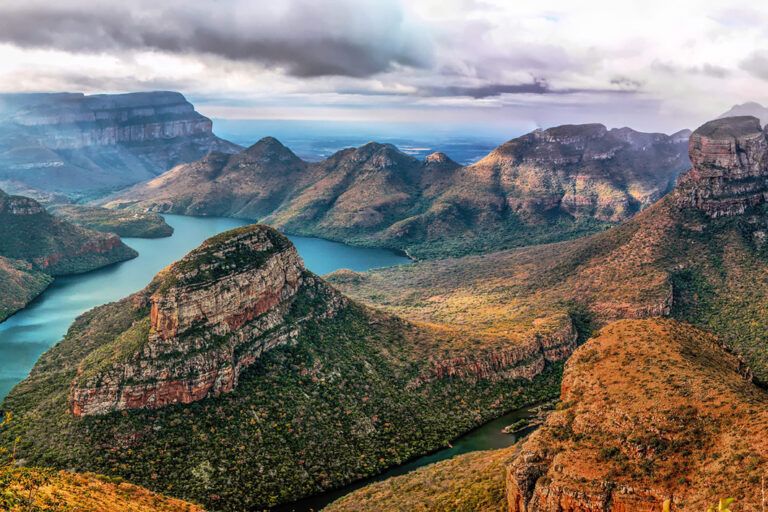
[28, 232]
[652, 410]
[83, 146]
[240, 380]
[212, 314]
[546, 186]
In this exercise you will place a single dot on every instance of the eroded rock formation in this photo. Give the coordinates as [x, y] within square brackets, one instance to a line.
[211, 315]
[79, 145]
[729, 173]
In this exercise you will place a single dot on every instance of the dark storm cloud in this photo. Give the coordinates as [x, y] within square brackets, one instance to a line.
[303, 37]
[535, 87]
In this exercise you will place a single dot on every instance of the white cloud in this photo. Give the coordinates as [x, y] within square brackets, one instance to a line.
[653, 64]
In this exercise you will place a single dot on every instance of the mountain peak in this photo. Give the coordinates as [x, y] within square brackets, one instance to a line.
[438, 158]
[203, 321]
[750, 108]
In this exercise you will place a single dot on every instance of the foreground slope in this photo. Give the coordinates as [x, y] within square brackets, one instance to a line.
[699, 255]
[25, 489]
[652, 410]
[34, 246]
[85, 146]
[239, 379]
[545, 186]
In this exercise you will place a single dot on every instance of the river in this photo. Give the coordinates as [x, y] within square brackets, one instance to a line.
[31, 331]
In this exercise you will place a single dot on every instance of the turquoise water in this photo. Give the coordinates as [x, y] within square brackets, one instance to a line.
[30, 332]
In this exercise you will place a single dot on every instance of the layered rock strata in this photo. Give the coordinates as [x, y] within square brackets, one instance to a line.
[210, 316]
[729, 173]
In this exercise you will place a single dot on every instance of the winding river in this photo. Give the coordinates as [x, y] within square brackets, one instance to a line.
[31, 331]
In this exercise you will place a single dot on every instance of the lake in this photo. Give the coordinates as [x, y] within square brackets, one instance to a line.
[31, 331]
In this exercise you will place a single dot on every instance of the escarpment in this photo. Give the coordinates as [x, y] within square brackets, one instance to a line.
[239, 365]
[82, 146]
[651, 410]
[211, 315]
[729, 173]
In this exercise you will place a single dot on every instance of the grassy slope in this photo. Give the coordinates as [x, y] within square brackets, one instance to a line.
[473, 482]
[25, 489]
[334, 408]
[656, 405]
[717, 269]
[651, 405]
[125, 224]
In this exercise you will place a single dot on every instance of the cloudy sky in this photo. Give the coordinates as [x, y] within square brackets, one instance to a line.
[652, 64]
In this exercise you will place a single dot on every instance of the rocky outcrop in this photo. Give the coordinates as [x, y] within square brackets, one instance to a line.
[78, 145]
[523, 360]
[729, 159]
[644, 405]
[211, 315]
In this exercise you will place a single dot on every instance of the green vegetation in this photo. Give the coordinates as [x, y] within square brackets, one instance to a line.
[132, 224]
[333, 408]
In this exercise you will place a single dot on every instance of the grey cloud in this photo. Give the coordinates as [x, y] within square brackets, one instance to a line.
[486, 91]
[305, 38]
[756, 64]
[705, 69]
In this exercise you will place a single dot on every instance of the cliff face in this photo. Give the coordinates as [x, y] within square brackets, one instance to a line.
[82, 145]
[730, 165]
[215, 312]
[545, 186]
[651, 410]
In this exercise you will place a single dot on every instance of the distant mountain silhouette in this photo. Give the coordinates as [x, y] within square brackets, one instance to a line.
[750, 108]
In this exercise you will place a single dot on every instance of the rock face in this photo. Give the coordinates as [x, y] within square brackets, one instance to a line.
[211, 315]
[526, 360]
[730, 166]
[80, 145]
[34, 245]
[644, 405]
[545, 186]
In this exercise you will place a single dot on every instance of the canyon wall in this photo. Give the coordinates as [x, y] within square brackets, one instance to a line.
[729, 173]
[80, 145]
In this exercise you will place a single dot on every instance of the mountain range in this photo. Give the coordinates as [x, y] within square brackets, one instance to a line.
[72, 146]
[546, 186]
[651, 409]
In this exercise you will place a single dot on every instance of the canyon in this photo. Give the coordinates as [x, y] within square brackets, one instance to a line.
[72, 146]
[278, 377]
[546, 186]
[652, 408]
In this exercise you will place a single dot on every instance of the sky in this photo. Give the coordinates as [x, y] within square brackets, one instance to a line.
[652, 65]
